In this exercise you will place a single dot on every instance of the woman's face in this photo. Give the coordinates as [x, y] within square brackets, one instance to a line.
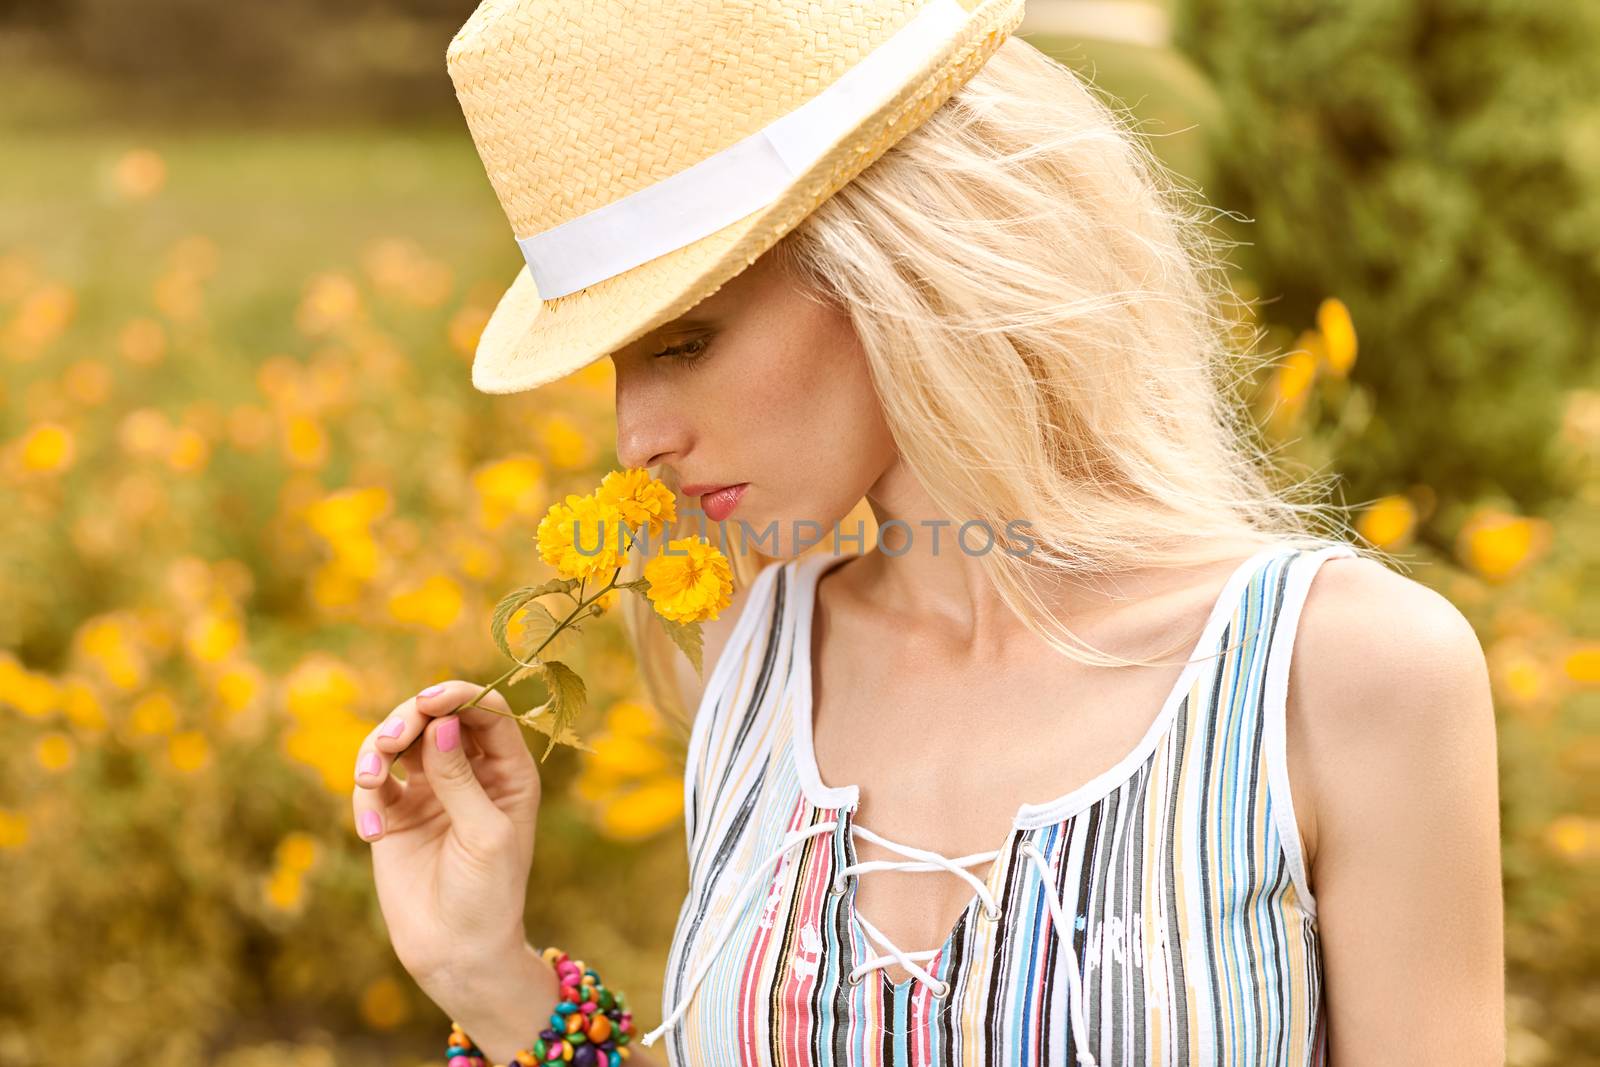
[759, 387]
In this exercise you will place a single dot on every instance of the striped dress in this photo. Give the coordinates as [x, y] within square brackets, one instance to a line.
[1159, 913]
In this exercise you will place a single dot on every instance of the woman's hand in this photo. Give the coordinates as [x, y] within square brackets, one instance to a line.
[452, 844]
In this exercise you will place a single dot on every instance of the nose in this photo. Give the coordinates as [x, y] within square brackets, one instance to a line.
[649, 428]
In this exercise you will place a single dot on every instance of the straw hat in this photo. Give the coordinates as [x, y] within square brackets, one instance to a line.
[646, 151]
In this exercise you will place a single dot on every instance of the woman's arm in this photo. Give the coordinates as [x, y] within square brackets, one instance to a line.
[1391, 737]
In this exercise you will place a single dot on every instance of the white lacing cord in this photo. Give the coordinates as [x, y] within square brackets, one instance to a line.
[1080, 1028]
[757, 879]
[925, 860]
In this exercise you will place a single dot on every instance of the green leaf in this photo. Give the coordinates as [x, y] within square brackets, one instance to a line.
[686, 635]
[511, 602]
[568, 699]
[544, 720]
[641, 585]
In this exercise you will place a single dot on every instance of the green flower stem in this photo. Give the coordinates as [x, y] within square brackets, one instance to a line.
[562, 625]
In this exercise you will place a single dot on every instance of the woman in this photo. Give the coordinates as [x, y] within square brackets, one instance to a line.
[1057, 799]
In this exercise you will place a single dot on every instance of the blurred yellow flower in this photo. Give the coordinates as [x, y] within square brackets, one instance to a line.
[82, 706]
[188, 750]
[239, 686]
[330, 301]
[43, 316]
[328, 744]
[1291, 384]
[13, 829]
[640, 812]
[284, 889]
[138, 174]
[691, 581]
[213, 636]
[335, 585]
[320, 683]
[155, 713]
[508, 487]
[188, 451]
[466, 327]
[305, 443]
[297, 850]
[384, 1005]
[55, 751]
[107, 641]
[178, 296]
[1388, 521]
[475, 556]
[348, 511]
[436, 603]
[34, 694]
[1582, 664]
[642, 501]
[145, 432]
[628, 777]
[47, 448]
[1573, 836]
[1338, 335]
[565, 444]
[88, 381]
[1496, 545]
[142, 341]
[581, 537]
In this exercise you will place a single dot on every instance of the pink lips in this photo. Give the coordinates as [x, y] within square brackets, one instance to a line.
[718, 504]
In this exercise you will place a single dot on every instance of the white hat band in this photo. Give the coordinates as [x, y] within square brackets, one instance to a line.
[747, 176]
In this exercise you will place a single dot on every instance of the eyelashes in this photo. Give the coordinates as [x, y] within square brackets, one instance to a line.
[687, 355]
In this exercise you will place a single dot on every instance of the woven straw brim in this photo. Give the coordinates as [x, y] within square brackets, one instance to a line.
[529, 342]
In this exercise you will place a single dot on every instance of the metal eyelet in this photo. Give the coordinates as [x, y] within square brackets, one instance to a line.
[942, 990]
[853, 978]
[837, 888]
[992, 915]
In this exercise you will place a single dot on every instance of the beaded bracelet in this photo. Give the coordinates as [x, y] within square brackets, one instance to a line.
[590, 1027]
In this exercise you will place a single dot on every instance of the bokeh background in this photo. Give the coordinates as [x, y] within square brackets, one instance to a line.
[250, 501]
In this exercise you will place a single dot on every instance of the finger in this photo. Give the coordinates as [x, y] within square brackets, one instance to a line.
[371, 806]
[494, 735]
[497, 735]
[473, 816]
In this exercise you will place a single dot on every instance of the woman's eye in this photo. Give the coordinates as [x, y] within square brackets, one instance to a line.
[688, 353]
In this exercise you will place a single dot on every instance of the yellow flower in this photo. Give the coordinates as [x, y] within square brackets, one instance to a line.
[642, 500]
[436, 603]
[55, 751]
[1498, 546]
[48, 447]
[1582, 664]
[188, 751]
[644, 810]
[384, 1005]
[691, 581]
[13, 829]
[1339, 335]
[297, 851]
[581, 537]
[1388, 521]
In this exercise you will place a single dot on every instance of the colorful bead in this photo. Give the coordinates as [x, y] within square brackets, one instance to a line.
[590, 1026]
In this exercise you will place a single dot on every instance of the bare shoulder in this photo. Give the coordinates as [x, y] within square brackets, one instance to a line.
[1386, 673]
[715, 635]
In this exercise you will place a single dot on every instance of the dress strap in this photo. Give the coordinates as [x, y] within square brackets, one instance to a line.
[1292, 585]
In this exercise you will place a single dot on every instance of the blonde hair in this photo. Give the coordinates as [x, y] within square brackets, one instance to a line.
[1044, 309]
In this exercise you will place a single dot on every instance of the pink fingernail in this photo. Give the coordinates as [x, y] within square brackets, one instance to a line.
[432, 690]
[394, 727]
[371, 764]
[448, 735]
[371, 824]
